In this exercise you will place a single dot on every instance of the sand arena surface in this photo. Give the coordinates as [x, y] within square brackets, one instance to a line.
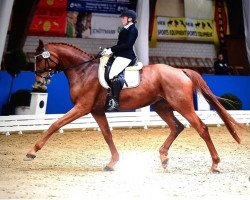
[70, 166]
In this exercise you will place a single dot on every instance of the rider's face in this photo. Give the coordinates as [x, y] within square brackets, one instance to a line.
[125, 20]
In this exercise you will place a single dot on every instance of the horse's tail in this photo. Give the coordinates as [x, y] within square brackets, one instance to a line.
[200, 85]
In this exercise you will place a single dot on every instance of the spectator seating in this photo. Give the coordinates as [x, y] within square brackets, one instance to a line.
[201, 65]
[198, 64]
[238, 70]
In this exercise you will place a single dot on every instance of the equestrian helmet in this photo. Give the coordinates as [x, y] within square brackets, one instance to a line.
[129, 13]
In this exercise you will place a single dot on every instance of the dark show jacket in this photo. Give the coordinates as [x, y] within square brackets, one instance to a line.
[125, 43]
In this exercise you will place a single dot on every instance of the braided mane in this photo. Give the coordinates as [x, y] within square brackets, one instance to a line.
[72, 46]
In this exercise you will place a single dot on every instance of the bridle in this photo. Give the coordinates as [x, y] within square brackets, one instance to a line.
[46, 55]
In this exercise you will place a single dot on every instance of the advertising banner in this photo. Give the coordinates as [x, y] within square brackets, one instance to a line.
[79, 24]
[99, 6]
[49, 23]
[105, 26]
[55, 4]
[172, 28]
[220, 18]
[93, 25]
[199, 29]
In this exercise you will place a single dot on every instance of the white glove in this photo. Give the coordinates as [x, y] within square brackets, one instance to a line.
[106, 52]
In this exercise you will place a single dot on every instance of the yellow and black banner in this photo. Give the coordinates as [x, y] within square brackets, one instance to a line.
[185, 29]
[153, 24]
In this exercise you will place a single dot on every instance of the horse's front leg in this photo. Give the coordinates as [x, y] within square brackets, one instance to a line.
[101, 120]
[74, 113]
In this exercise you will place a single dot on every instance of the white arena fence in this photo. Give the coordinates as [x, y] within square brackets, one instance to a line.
[19, 123]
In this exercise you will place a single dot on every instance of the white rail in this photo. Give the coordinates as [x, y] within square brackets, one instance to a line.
[20, 123]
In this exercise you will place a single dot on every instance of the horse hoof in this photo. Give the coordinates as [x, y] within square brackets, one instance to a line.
[214, 168]
[108, 169]
[215, 171]
[164, 163]
[29, 157]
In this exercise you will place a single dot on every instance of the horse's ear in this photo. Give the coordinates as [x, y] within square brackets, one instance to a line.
[41, 44]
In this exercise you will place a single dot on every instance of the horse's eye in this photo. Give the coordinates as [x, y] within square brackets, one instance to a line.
[39, 59]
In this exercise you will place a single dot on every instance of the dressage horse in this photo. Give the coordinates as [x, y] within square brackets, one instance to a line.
[165, 88]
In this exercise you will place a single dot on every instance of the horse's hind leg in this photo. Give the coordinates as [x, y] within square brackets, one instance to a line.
[165, 111]
[202, 129]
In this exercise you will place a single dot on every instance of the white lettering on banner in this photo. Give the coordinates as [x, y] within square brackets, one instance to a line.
[75, 5]
[99, 6]
[105, 26]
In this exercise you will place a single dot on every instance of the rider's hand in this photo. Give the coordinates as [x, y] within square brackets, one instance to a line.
[106, 52]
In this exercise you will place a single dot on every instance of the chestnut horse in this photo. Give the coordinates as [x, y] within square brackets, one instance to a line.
[163, 87]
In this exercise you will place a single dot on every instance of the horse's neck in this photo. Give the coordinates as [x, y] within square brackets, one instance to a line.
[82, 73]
[75, 65]
[72, 58]
[68, 54]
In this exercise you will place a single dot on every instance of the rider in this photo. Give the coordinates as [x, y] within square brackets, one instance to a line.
[122, 55]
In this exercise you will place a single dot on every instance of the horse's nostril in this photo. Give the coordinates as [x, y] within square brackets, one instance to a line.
[38, 82]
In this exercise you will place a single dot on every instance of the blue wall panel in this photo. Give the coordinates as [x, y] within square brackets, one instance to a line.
[23, 81]
[59, 97]
[237, 85]
[59, 101]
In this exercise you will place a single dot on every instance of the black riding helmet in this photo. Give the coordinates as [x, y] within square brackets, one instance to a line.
[129, 13]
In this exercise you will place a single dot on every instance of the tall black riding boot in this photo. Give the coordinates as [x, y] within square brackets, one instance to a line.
[115, 89]
[107, 71]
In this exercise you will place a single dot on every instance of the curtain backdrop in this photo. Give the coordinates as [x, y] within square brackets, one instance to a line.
[199, 9]
[246, 16]
[5, 12]
[141, 45]
[170, 8]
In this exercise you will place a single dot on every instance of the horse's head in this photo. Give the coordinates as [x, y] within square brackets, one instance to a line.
[46, 63]
[54, 57]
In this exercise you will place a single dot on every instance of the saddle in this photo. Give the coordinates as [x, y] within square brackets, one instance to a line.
[131, 75]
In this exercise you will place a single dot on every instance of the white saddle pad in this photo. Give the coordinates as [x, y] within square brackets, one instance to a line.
[132, 75]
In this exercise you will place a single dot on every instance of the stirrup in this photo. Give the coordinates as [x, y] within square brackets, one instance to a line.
[112, 105]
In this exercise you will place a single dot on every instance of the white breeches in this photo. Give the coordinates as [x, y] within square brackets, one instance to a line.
[118, 66]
